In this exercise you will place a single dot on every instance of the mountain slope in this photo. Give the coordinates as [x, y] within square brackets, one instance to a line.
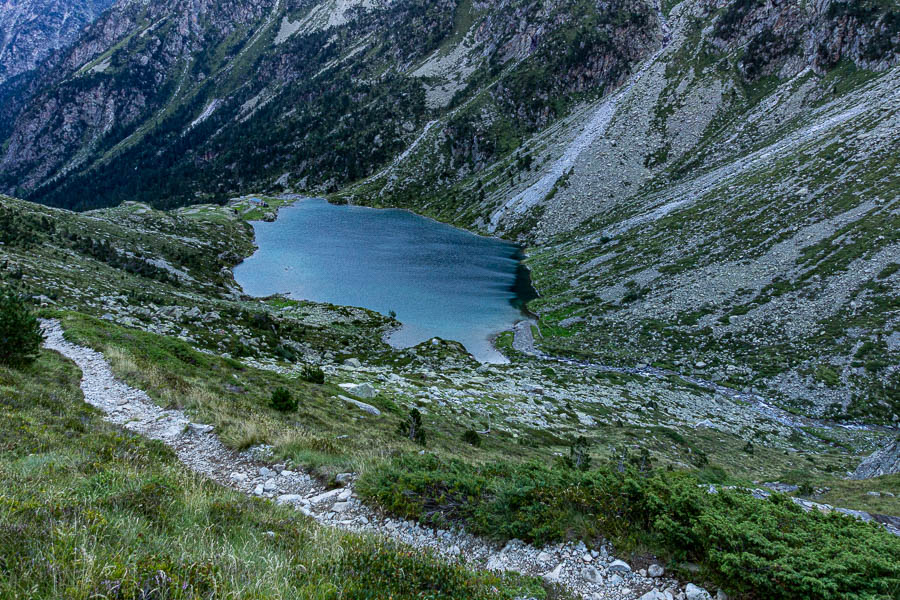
[171, 324]
[30, 30]
[730, 212]
[207, 99]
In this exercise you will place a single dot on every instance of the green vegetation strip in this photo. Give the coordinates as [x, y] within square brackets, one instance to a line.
[751, 548]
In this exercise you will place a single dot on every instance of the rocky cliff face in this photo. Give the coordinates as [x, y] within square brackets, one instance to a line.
[782, 37]
[30, 30]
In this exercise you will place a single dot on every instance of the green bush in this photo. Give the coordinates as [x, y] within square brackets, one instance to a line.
[282, 400]
[412, 428]
[579, 455]
[20, 333]
[749, 547]
[472, 438]
[312, 374]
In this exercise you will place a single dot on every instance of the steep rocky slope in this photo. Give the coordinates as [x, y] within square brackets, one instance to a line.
[207, 98]
[30, 30]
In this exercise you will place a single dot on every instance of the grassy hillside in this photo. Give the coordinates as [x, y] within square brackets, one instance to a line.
[87, 510]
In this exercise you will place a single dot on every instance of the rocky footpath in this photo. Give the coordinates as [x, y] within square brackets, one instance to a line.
[592, 573]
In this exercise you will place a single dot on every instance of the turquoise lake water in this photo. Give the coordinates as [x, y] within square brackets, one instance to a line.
[441, 281]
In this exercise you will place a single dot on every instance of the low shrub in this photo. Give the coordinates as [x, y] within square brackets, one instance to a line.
[20, 333]
[472, 438]
[282, 400]
[749, 547]
[312, 374]
[412, 428]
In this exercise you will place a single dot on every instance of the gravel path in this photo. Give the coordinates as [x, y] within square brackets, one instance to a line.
[589, 573]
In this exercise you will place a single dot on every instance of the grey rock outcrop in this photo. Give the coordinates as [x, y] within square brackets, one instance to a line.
[883, 462]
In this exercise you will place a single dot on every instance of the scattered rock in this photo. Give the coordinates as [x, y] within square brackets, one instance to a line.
[591, 574]
[655, 570]
[783, 488]
[619, 566]
[199, 428]
[693, 592]
[361, 405]
[289, 499]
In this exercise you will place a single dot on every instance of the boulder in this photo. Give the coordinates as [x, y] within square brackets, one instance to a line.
[619, 566]
[591, 574]
[655, 570]
[554, 575]
[199, 428]
[352, 362]
[883, 462]
[361, 405]
[289, 499]
[693, 592]
[364, 391]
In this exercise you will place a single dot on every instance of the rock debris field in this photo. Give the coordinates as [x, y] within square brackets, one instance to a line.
[590, 573]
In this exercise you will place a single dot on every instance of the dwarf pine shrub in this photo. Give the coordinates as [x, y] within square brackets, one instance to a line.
[411, 427]
[472, 438]
[312, 374]
[749, 547]
[282, 400]
[20, 333]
